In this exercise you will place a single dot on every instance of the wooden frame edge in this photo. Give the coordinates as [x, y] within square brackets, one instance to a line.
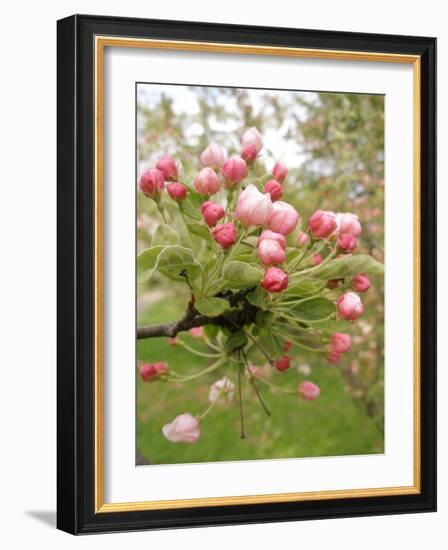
[111, 41]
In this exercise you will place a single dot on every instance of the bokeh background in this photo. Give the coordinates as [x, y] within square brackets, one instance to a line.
[333, 145]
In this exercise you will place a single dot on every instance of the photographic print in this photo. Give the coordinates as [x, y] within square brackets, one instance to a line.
[260, 315]
[246, 324]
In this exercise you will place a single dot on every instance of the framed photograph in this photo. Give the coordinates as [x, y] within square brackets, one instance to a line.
[246, 274]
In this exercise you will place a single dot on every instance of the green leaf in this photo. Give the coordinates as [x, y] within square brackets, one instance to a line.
[147, 262]
[164, 235]
[258, 298]
[241, 275]
[212, 307]
[178, 263]
[200, 230]
[348, 266]
[272, 344]
[313, 309]
[303, 289]
[191, 208]
[236, 340]
[211, 331]
[244, 256]
[332, 325]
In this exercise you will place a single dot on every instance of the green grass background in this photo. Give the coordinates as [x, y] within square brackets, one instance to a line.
[330, 426]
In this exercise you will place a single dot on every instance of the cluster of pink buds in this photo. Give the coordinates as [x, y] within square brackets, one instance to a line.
[154, 181]
[252, 210]
[348, 230]
[340, 343]
[153, 371]
[345, 227]
[257, 209]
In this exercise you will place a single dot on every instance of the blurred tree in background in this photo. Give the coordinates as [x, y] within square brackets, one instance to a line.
[333, 145]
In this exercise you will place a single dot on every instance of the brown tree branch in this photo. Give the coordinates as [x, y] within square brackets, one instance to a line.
[192, 319]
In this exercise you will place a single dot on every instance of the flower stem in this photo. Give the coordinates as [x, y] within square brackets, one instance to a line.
[275, 387]
[197, 352]
[257, 392]
[162, 212]
[296, 262]
[330, 256]
[240, 399]
[295, 342]
[211, 368]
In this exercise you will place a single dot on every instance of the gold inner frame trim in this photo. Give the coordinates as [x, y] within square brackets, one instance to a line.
[101, 42]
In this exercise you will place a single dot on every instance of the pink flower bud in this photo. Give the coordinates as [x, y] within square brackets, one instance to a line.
[348, 223]
[249, 154]
[213, 156]
[274, 189]
[153, 371]
[284, 218]
[322, 224]
[333, 357]
[207, 182]
[287, 346]
[347, 243]
[360, 283]
[274, 280]
[253, 207]
[271, 252]
[183, 429]
[221, 391]
[197, 332]
[309, 391]
[176, 191]
[302, 239]
[225, 234]
[152, 183]
[340, 342]
[259, 372]
[167, 165]
[252, 138]
[212, 212]
[268, 234]
[280, 171]
[282, 364]
[316, 259]
[234, 170]
[349, 306]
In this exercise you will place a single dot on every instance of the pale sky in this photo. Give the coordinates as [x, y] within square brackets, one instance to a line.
[185, 101]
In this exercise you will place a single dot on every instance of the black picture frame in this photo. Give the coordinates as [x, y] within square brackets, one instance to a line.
[76, 273]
